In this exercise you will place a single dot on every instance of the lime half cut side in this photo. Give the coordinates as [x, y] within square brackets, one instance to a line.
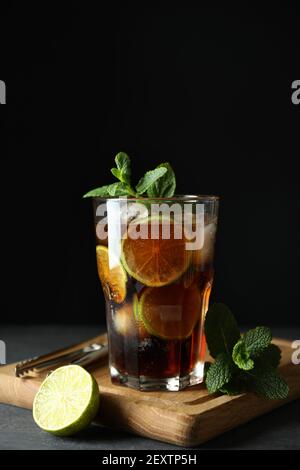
[67, 401]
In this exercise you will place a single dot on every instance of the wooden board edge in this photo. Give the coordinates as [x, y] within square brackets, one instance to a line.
[190, 426]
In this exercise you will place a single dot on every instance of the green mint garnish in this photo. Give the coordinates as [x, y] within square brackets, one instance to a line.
[115, 189]
[219, 373]
[221, 330]
[123, 170]
[241, 356]
[98, 192]
[118, 189]
[252, 344]
[270, 356]
[160, 182]
[235, 386]
[206, 368]
[149, 179]
[165, 185]
[247, 363]
[268, 383]
[257, 340]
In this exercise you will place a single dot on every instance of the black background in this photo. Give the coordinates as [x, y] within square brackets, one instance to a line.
[207, 89]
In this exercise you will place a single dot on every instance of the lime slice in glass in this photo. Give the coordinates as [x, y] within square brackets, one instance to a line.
[170, 312]
[67, 401]
[158, 260]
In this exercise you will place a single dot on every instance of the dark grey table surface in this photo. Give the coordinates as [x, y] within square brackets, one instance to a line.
[279, 429]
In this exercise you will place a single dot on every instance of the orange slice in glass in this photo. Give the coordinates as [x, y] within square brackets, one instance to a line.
[155, 262]
[112, 279]
[170, 312]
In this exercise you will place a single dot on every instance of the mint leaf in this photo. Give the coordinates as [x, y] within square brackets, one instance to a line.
[257, 340]
[164, 186]
[118, 189]
[123, 170]
[269, 357]
[252, 344]
[116, 173]
[221, 330]
[98, 192]
[241, 356]
[267, 383]
[149, 178]
[235, 386]
[242, 364]
[206, 368]
[115, 189]
[219, 373]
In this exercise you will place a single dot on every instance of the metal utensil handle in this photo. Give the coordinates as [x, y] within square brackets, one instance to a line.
[39, 363]
[92, 357]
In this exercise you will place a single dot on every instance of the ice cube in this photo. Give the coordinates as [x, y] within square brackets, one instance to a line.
[124, 321]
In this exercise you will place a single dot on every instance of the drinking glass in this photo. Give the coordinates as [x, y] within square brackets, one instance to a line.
[155, 264]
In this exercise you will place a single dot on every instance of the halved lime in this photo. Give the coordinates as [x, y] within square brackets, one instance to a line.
[67, 401]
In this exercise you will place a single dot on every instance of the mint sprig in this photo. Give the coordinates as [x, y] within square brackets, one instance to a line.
[221, 330]
[242, 363]
[160, 182]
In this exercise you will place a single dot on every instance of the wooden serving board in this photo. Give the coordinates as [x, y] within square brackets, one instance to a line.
[185, 418]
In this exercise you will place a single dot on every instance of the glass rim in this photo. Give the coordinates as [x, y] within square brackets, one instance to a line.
[180, 197]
